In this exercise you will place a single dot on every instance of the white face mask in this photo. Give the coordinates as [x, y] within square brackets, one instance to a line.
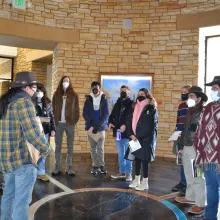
[214, 95]
[191, 103]
[66, 85]
[34, 89]
[40, 95]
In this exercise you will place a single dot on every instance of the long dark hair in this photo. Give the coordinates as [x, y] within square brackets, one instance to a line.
[69, 92]
[45, 100]
[5, 100]
[149, 95]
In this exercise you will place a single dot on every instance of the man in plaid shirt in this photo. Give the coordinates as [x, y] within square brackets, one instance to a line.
[17, 126]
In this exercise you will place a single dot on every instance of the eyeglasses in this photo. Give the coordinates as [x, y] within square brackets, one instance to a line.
[215, 89]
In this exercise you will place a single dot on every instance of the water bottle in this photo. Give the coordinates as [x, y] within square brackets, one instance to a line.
[118, 135]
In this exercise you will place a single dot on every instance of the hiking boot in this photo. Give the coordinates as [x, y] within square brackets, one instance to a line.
[56, 172]
[43, 178]
[118, 176]
[196, 210]
[95, 170]
[128, 177]
[103, 170]
[178, 187]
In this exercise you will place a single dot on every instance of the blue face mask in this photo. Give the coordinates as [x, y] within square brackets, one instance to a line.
[214, 95]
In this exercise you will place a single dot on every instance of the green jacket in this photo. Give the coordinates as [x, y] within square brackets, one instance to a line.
[16, 127]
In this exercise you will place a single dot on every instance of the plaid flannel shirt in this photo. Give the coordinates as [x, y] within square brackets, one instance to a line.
[16, 127]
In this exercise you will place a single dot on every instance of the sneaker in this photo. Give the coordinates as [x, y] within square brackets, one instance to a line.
[70, 172]
[199, 217]
[143, 185]
[128, 177]
[43, 178]
[95, 170]
[196, 210]
[136, 182]
[118, 176]
[103, 170]
[182, 192]
[182, 200]
[178, 187]
[56, 172]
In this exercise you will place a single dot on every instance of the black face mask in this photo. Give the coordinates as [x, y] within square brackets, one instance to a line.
[123, 94]
[184, 97]
[95, 91]
[141, 98]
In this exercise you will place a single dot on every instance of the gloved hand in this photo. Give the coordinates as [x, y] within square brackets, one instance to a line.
[97, 126]
[94, 131]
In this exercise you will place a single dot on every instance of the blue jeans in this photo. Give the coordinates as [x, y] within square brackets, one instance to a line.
[212, 188]
[125, 166]
[41, 162]
[182, 175]
[17, 194]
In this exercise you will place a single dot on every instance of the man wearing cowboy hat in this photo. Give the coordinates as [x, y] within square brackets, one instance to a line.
[207, 145]
[195, 192]
[17, 126]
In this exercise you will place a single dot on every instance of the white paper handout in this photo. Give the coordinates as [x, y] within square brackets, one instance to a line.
[34, 152]
[175, 136]
[134, 145]
[96, 136]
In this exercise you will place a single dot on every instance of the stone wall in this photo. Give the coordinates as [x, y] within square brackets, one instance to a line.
[41, 72]
[3, 87]
[20, 64]
[153, 45]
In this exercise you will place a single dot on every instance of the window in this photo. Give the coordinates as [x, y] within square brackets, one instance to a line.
[212, 60]
[6, 69]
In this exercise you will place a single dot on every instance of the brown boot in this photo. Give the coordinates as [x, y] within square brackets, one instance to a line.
[196, 210]
[184, 201]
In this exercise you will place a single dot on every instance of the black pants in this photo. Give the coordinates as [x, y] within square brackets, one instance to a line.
[145, 167]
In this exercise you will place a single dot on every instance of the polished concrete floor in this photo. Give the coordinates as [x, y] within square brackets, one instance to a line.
[98, 197]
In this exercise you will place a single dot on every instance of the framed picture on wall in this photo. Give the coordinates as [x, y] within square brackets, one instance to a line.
[112, 82]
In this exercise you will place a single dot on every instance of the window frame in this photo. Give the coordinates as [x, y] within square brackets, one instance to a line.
[206, 57]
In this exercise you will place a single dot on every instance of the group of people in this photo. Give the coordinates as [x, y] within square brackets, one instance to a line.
[26, 100]
[199, 147]
[130, 120]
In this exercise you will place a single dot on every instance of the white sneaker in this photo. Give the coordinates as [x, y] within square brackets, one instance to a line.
[118, 176]
[143, 186]
[135, 182]
[128, 177]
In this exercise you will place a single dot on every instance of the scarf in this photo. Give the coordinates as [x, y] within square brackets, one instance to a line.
[137, 113]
